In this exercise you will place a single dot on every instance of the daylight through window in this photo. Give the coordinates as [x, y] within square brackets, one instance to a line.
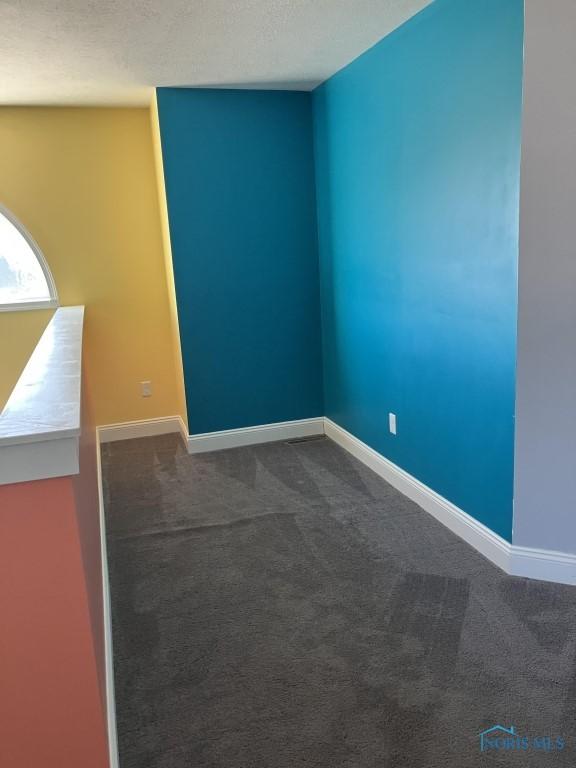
[25, 280]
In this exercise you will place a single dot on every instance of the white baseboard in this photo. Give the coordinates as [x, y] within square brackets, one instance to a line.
[113, 754]
[539, 564]
[543, 564]
[266, 433]
[488, 543]
[110, 433]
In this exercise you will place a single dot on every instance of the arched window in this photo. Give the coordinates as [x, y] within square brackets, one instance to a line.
[25, 279]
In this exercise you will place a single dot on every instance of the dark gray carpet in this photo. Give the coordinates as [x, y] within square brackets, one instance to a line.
[282, 606]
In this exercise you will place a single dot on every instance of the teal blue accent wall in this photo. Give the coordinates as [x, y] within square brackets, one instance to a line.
[417, 147]
[239, 174]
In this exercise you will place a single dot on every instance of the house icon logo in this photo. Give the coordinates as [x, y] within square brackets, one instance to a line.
[492, 735]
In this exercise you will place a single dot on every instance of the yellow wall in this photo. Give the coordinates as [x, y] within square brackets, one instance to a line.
[19, 334]
[83, 181]
[169, 267]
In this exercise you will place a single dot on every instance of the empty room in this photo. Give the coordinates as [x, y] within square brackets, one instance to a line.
[287, 384]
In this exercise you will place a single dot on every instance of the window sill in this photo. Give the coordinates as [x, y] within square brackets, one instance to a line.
[24, 306]
[40, 425]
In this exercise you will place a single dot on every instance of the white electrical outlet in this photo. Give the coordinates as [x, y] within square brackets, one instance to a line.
[392, 422]
[146, 388]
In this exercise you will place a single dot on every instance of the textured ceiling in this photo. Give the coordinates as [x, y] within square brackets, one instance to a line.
[115, 51]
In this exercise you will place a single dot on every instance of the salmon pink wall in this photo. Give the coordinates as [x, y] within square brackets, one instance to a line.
[51, 708]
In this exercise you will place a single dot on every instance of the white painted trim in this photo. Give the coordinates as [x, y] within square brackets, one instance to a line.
[110, 703]
[39, 460]
[110, 433]
[26, 306]
[488, 543]
[518, 561]
[45, 402]
[265, 433]
[40, 423]
[544, 565]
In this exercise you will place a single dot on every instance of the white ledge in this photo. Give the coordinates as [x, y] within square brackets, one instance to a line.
[40, 425]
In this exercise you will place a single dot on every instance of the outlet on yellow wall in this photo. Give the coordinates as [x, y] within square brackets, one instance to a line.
[83, 182]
